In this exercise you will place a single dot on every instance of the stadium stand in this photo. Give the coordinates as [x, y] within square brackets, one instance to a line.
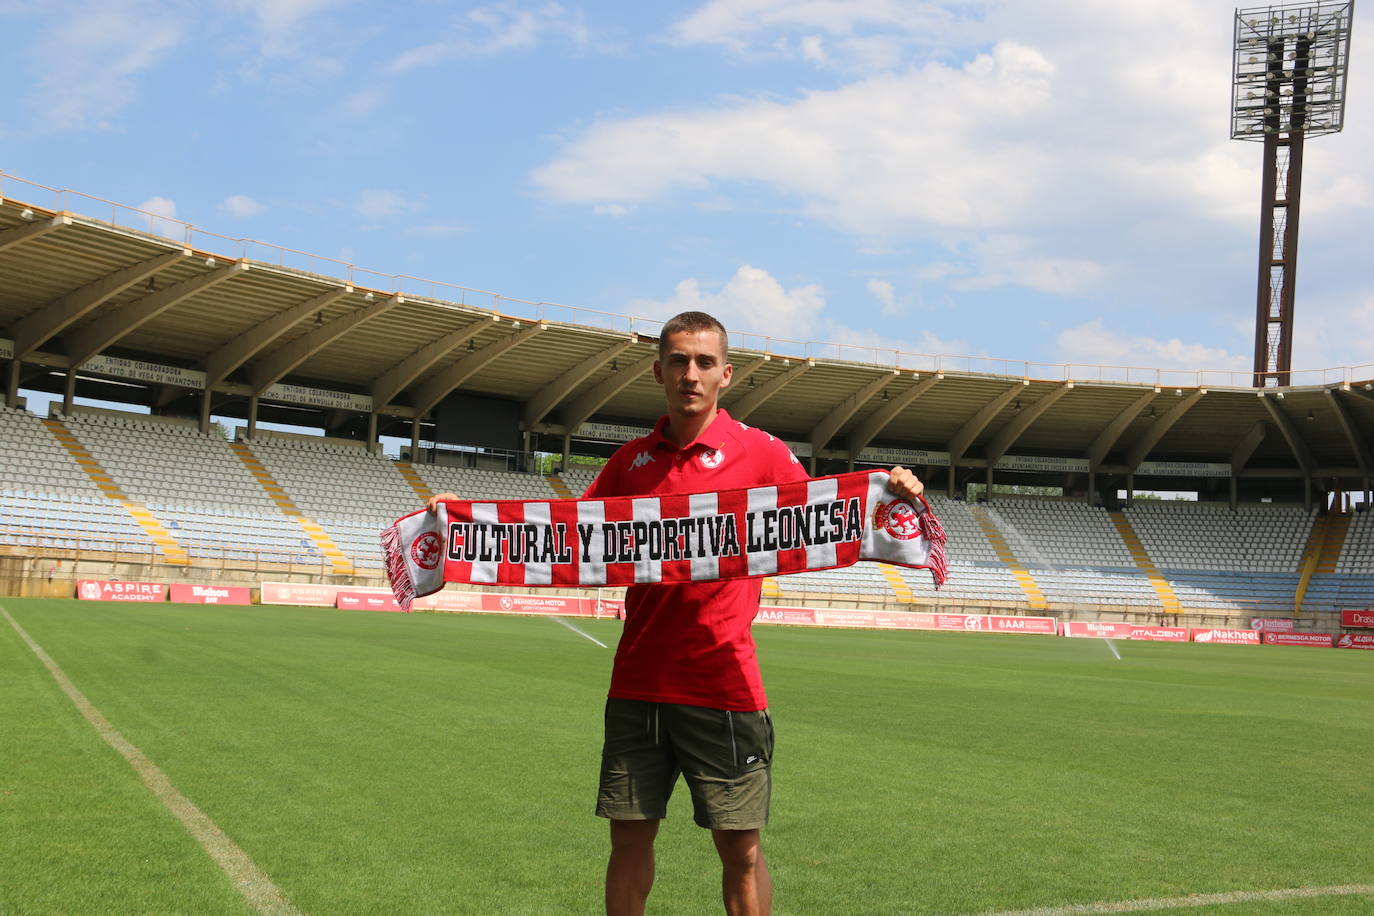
[351, 493]
[169, 468]
[47, 499]
[218, 509]
[1214, 557]
[476, 483]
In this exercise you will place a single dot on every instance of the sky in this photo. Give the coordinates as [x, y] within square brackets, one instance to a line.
[1050, 182]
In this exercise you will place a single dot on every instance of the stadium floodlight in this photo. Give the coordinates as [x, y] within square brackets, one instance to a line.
[1289, 65]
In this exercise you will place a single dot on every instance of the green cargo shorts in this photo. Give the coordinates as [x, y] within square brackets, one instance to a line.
[726, 758]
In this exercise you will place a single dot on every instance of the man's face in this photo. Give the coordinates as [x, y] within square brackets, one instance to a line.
[692, 371]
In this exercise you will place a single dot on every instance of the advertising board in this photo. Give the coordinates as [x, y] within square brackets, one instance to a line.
[1099, 629]
[1228, 637]
[1354, 618]
[1321, 640]
[365, 601]
[108, 590]
[182, 593]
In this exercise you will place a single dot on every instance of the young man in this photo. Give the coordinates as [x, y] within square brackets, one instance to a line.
[685, 696]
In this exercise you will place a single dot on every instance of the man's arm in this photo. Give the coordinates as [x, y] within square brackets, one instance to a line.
[902, 482]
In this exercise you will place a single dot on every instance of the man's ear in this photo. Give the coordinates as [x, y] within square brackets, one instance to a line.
[727, 375]
[658, 371]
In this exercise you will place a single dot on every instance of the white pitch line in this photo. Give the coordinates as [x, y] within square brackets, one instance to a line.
[577, 630]
[1192, 900]
[250, 880]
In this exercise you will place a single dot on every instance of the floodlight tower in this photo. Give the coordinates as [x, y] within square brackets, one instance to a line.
[1288, 75]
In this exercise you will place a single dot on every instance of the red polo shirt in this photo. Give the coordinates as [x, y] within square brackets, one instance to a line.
[691, 643]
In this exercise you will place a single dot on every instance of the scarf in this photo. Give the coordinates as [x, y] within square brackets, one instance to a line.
[823, 523]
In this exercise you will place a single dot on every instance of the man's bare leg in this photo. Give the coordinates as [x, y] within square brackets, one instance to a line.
[630, 873]
[746, 885]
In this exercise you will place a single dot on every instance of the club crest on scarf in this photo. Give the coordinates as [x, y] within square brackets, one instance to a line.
[426, 550]
[898, 518]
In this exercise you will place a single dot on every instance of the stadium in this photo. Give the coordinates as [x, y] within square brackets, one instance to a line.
[1106, 708]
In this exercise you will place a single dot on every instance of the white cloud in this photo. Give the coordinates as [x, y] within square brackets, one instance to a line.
[88, 64]
[886, 295]
[362, 103]
[1336, 332]
[616, 210]
[281, 24]
[379, 203]
[752, 302]
[497, 28]
[855, 155]
[861, 33]
[160, 214]
[241, 205]
[1093, 343]
[1006, 260]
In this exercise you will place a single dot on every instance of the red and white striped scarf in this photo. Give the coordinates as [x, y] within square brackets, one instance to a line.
[821, 523]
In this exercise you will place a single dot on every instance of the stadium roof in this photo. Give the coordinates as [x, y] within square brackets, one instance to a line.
[244, 319]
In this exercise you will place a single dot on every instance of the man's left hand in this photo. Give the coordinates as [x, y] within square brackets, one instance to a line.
[902, 482]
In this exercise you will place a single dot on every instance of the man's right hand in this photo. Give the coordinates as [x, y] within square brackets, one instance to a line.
[433, 505]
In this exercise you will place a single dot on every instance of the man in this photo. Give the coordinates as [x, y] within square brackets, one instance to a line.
[685, 696]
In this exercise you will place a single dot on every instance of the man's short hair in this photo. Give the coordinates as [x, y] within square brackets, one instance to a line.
[692, 323]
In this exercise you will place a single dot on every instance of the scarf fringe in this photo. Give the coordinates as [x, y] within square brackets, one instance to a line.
[934, 534]
[402, 586]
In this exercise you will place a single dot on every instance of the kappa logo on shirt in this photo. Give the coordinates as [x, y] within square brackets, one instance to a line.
[711, 458]
[641, 459]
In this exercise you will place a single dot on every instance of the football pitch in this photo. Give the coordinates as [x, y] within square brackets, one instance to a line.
[432, 763]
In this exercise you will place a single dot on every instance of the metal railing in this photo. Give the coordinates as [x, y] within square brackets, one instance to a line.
[443, 293]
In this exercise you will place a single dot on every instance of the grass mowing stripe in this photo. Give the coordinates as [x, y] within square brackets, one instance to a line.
[251, 881]
[1193, 900]
[578, 631]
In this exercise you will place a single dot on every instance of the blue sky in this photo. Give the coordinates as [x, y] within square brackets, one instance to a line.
[1049, 182]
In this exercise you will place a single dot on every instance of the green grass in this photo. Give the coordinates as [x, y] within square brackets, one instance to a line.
[384, 763]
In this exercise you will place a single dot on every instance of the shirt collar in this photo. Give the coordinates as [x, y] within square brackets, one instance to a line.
[712, 437]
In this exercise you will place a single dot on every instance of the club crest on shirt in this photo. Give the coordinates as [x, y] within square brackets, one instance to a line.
[711, 458]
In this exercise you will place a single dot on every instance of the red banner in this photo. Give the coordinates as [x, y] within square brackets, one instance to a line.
[608, 607]
[1229, 637]
[103, 590]
[1040, 626]
[449, 601]
[210, 594]
[1324, 640]
[560, 605]
[795, 616]
[1355, 641]
[1353, 618]
[309, 595]
[1087, 628]
[365, 601]
[1160, 634]
[1271, 624]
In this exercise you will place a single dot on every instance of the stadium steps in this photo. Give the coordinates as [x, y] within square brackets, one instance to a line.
[1167, 598]
[1029, 587]
[771, 589]
[897, 583]
[412, 477]
[172, 552]
[1322, 551]
[560, 487]
[340, 563]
